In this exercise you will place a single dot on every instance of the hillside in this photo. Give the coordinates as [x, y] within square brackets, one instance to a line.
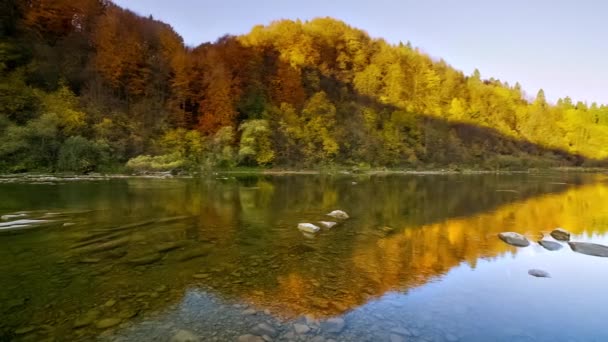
[88, 86]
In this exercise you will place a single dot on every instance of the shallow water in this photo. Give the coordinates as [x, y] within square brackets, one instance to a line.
[419, 260]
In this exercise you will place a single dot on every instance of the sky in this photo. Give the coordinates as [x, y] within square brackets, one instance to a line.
[560, 46]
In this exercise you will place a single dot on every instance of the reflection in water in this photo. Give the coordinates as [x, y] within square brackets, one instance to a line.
[123, 251]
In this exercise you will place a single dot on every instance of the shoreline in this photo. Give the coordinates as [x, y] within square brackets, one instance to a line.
[50, 177]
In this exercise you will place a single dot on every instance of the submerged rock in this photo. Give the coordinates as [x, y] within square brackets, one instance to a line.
[146, 259]
[107, 323]
[327, 224]
[514, 239]
[560, 234]
[550, 245]
[588, 248]
[184, 336]
[169, 246]
[301, 329]
[86, 319]
[339, 214]
[193, 254]
[308, 228]
[539, 273]
[333, 325]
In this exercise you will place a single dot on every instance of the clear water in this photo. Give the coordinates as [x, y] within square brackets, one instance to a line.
[419, 260]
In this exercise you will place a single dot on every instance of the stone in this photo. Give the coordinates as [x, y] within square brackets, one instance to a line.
[86, 319]
[327, 224]
[248, 312]
[514, 239]
[110, 303]
[560, 234]
[264, 329]
[588, 248]
[107, 323]
[339, 214]
[333, 325]
[550, 245]
[127, 313]
[301, 329]
[539, 273]
[308, 228]
[185, 336]
[250, 338]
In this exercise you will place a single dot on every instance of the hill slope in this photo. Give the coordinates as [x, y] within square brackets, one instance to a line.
[85, 85]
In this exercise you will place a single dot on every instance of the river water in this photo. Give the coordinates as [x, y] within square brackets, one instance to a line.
[221, 259]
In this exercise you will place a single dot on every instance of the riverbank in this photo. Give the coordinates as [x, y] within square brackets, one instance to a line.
[42, 178]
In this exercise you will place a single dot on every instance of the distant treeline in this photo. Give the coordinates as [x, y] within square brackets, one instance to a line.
[88, 86]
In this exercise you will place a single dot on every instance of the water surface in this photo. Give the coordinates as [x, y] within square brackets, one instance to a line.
[143, 259]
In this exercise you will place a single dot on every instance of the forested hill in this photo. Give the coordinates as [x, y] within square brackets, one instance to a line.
[86, 85]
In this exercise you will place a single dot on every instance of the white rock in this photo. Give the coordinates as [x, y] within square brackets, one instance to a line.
[339, 214]
[327, 224]
[514, 239]
[308, 227]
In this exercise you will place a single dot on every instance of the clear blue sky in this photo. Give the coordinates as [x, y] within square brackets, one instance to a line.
[560, 45]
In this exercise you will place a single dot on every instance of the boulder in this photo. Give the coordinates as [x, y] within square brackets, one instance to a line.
[560, 234]
[550, 245]
[539, 273]
[514, 239]
[333, 325]
[588, 248]
[185, 336]
[339, 214]
[308, 228]
[327, 224]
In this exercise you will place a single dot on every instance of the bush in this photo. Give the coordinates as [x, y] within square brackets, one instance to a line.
[166, 162]
[79, 154]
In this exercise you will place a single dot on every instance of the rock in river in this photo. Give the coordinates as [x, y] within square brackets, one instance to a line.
[327, 224]
[560, 234]
[539, 273]
[514, 239]
[550, 245]
[308, 228]
[339, 214]
[588, 248]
